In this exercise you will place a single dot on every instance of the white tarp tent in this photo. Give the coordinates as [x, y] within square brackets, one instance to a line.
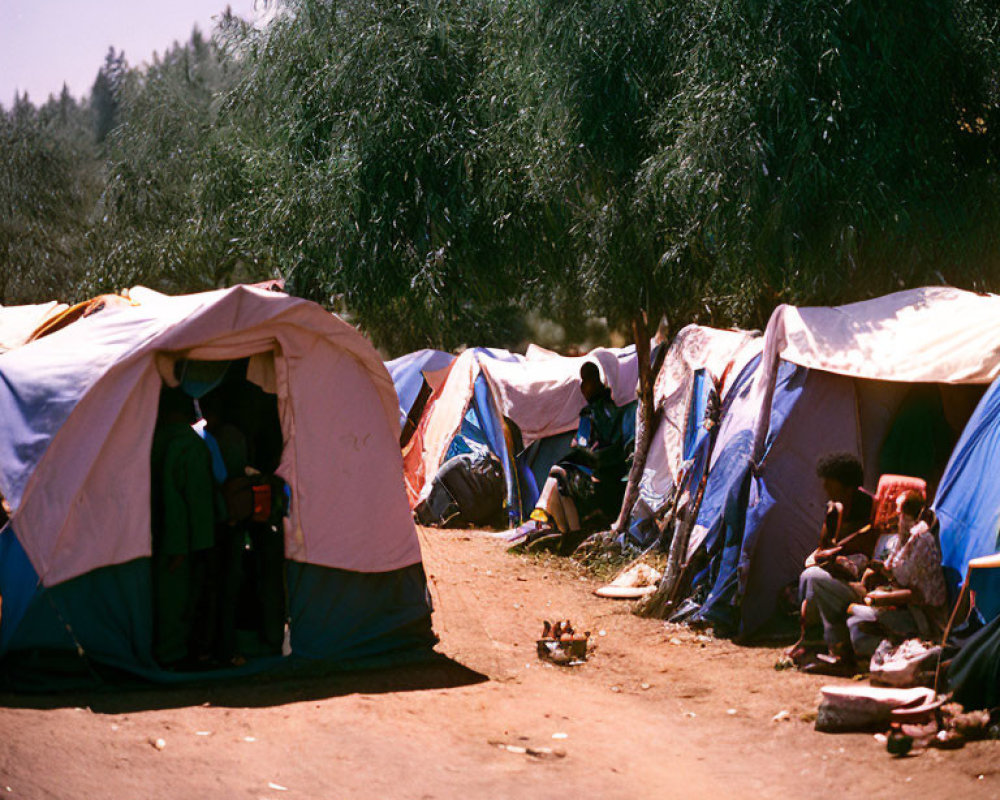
[935, 334]
[722, 353]
[829, 379]
[540, 393]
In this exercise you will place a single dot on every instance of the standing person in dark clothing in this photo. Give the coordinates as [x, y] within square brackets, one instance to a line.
[183, 523]
[825, 586]
[256, 413]
[229, 462]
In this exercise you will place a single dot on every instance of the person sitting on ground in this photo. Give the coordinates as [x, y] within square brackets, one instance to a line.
[845, 545]
[906, 594]
[586, 488]
[183, 529]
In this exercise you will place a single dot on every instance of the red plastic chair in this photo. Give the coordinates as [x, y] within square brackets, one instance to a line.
[890, 487]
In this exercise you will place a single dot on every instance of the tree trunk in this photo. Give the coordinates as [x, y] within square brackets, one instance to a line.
[659, 604]
[646, 418]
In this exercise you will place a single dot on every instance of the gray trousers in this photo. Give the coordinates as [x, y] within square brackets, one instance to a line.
[827, 599]
[869, 626]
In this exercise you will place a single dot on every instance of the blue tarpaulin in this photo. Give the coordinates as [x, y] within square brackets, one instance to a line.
[968, 503]
[763, 519]
[407, 373]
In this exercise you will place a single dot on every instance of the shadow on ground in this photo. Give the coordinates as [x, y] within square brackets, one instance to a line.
[128, 695]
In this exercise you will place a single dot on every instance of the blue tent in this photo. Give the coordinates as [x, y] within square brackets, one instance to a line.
[760, 517]
[830, 379]
[968, 503]
[407, 373]
[483, 426]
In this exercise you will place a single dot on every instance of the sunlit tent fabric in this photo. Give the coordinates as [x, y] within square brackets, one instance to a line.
[17, 323]
[539, 393]
[968, 503]
[77, 412]
[697, 357]
[407, 373]
[829, 379]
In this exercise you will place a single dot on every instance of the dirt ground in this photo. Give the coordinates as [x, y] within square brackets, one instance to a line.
[657, 712]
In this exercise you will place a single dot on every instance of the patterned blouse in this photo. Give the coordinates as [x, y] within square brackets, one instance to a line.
[916, 565]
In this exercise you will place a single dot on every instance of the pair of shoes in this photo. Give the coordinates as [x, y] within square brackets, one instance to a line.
[550, 541]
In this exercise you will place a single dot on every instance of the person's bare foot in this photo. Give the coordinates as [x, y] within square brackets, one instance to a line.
[797, 652]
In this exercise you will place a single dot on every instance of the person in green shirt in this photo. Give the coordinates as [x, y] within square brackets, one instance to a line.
[183, 527]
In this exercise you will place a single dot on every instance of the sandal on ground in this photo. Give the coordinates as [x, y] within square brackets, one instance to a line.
[528, 532]
[825, 665]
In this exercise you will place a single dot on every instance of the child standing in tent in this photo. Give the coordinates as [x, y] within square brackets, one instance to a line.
[845, 546]
[585, 489]
[183, 523]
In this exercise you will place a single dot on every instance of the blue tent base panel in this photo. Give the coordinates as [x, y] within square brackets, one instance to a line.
[98, 627]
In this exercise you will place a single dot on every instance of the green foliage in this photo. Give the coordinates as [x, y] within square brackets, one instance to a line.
[105, 95]
[46, 177]
[150, 225]
[823, 152]
[438, 168]
[362, 147]
[601, 71]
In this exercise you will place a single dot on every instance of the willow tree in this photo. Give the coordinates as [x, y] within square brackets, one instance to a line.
[46, 193]
[600, 75]
[826, 152]
[364, 144]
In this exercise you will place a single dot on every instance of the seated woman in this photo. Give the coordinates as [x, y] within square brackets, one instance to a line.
[906, 594]
[845, 545]
[585, 489]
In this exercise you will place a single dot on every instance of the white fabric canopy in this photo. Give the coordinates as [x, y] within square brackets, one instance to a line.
[78, 410]
[541, 394]
[936, 334]
[17, 323]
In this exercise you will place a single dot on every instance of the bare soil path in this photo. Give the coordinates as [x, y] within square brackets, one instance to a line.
[657, 712]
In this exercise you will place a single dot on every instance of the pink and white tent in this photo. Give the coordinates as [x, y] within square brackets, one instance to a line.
[78, 410]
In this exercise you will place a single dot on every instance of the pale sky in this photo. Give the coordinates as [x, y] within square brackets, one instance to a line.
[46, 42]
